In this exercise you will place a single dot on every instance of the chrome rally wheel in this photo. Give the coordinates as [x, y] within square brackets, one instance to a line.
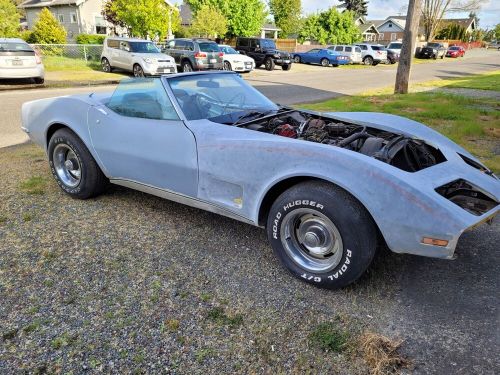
[67, 165]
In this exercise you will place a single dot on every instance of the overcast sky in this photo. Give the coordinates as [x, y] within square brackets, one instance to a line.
[380, 9]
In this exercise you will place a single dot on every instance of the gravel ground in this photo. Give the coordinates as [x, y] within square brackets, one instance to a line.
[130, 283]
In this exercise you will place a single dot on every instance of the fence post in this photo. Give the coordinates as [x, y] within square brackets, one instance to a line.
[85, 52]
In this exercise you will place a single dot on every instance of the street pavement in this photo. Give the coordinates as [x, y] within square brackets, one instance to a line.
[304, 83]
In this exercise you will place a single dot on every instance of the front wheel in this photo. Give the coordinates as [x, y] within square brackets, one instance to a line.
[269, 64]
[227, 66]
[321, 234]
[296, 59]
[138, 71]
[106, 66]
[73, 167]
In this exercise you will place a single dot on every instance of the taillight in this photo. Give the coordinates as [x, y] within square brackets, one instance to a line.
[221, 54]
[38, 59]
[200, 55]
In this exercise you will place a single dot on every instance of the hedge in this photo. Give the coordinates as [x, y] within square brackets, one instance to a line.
[90, 38]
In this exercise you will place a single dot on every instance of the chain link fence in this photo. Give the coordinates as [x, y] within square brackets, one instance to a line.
[84, 52]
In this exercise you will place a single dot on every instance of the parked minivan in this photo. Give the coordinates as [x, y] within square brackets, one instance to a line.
[141, 57]
[354, 52]
[195, 54]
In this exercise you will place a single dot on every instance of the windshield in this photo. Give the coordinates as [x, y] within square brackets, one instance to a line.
[209, 47]
[143, 47]
[433, 45]
[378, 48]
[454, 48]
[266, 43]
[395, 45]
[218, 97]
[13, 47]
[228, 50]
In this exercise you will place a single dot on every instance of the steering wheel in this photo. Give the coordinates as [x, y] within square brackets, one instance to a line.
[239, 96]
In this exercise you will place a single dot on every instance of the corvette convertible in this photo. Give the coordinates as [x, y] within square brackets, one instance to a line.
[328, 188]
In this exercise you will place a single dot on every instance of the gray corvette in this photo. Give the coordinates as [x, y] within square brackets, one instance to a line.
[328, 187]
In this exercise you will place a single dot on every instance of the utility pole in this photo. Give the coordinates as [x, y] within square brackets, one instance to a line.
[408, 47]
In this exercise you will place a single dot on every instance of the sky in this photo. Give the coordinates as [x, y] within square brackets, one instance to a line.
[489, 15]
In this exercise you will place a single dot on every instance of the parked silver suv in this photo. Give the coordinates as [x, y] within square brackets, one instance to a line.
[139, 56]
[372, 54]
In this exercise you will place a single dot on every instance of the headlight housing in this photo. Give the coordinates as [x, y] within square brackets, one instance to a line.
[148, 60]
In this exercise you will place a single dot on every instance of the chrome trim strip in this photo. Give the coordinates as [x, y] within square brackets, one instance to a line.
[24, 129]
[180, 198]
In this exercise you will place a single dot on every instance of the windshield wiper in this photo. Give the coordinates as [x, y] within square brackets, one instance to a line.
[250, 114]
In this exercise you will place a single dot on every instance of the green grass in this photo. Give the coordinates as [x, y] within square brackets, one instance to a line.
[218, 316]
[76, 70]
[329, 337]
[487, 81]
[58, 63]
[473, 123]
[34, 185]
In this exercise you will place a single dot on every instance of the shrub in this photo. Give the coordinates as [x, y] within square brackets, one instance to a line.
[9, 16]
[90, 39]
[47, 30]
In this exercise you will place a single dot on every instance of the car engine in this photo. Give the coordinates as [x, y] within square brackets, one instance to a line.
[403, 152]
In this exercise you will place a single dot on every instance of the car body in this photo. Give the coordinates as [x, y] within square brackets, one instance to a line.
[195, 54]
[233, 60]
[432, 51]
[455, 51]
[392, 56]
[395, 47]
[141, 57]
[494, 45]
[19, 60]
[322, 56]
[372, 54]
[353, 52]
[264, 52]
[212, 141]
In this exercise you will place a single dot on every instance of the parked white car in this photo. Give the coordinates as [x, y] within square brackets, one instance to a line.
[395, 47]
[19, 60]
[372, 54]
[233, 60]
[354, 52]
[141, 57]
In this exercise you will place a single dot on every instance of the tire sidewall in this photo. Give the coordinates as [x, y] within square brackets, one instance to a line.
[60, 139]
[354, 259]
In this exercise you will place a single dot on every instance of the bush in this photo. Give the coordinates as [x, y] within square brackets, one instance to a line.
[90, 39]
[47, 30]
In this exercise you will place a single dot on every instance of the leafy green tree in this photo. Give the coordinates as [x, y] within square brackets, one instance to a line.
[209, 22]
[47, 29]
[497, 31]
[358, 7]
[330, 27]
[286, 15]
[244, 17]
[452, 31]
[9, 16]
[142, 18]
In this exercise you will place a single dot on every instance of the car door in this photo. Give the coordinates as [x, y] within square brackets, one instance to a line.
[139, 137]
[255, 51]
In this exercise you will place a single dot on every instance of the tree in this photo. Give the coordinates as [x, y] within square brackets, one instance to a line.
[330, 27]
[286, 15]
[47, 30]
[209, 22]
[409, 37]
[9, 26]
[244, 17]
[452, 31]
[142, 18]
[433, 12]
[358, 7]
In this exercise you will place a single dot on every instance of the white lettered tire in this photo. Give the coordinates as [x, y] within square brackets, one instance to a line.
[322, 234]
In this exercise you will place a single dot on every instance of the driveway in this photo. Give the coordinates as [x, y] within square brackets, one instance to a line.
[312, 84]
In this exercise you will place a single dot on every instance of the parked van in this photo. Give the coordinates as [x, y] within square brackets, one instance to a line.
[354, 52]
[141, 57]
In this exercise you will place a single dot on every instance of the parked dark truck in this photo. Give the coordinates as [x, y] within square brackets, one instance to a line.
[264, 52]
[432, 51]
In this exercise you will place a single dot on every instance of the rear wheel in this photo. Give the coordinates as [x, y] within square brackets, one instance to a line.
[73, 167]
[321, 234]
[368, 60]
[286, 67]
[269, 64]
[138, 71]
[324, 62]
[186, 67]
[39, 80]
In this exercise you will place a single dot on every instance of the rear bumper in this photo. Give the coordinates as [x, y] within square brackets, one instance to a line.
[31, 72]
[216, 66]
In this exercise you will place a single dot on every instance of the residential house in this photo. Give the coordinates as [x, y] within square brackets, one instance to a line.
[390, 29]
[368, 29]
[76, 16]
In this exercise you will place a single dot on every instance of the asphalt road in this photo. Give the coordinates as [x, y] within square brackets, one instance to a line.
[304, 83]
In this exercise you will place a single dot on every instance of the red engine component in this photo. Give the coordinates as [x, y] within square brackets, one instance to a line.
[286, 130]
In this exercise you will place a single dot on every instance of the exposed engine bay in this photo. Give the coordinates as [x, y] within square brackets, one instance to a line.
[403, 152]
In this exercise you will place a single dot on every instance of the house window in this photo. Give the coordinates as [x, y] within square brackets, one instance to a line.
[73, 17]
[393, 36]
[381, 36]
[60, 18]
[100, 25]
[389, 25]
